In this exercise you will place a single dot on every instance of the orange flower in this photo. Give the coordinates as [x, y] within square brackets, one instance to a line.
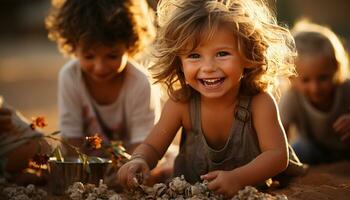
[38, 122]
[39, 159]
[37, 165]
[94, 141]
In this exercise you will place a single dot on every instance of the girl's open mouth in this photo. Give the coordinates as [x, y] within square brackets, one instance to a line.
[212, 82]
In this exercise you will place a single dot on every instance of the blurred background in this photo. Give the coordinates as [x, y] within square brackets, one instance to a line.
[29, 62]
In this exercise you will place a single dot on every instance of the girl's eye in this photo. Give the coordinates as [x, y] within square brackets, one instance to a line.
[193, 55]
[222, 53]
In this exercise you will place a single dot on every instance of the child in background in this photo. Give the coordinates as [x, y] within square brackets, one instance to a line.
[318, 103]
[103, 90]
[218, 59]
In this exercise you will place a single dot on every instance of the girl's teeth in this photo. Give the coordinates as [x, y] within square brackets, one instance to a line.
[210, 82]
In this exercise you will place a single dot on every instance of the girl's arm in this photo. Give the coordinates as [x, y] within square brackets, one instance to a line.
[273, 144]
[162, 134]
[148, 153]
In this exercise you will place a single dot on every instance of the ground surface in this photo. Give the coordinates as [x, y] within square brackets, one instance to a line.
[322, 182]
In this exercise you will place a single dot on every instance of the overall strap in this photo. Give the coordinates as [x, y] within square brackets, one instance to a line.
[242, 113]
[194, 109]
[195, 104]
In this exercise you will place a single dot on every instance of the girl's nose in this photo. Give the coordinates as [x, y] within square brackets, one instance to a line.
[209, 66]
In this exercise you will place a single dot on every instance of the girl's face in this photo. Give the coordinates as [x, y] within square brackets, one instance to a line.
[102, 63]
[315, 79]
[215, 67]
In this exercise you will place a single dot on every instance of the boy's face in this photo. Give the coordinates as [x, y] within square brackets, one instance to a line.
[315, 79]
[102, 63]
[215, 67]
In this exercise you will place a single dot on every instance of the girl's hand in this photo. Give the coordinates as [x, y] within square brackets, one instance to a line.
[342, 126]
[133, 173]
[223, 182]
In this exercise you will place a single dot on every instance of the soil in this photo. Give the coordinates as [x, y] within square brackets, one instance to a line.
[328, 181]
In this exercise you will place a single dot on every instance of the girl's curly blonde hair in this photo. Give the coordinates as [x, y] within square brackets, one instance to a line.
[104, 22]
[261, 41]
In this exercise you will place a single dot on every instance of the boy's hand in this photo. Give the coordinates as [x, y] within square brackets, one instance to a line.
[342, 126]
[222, 182]
[133, 173]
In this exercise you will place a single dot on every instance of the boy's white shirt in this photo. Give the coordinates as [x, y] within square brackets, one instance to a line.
[138, 100]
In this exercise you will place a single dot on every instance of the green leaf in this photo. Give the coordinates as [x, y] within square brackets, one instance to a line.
[84, 160]
[96, 160]
[120, 151]
[55, 133]
[57, 154]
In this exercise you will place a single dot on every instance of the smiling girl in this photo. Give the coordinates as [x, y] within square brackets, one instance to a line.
[218, 59]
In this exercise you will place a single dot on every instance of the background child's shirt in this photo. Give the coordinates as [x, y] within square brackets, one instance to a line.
[313, 124]
[129, 118]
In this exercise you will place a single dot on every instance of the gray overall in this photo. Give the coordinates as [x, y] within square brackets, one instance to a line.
[197, 158]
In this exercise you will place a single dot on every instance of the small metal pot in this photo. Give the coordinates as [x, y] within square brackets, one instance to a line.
[64, 174]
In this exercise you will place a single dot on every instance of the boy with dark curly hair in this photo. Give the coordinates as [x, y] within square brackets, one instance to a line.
[102, 90]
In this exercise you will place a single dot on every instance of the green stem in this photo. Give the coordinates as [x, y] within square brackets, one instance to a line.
[50, 136]
[76, 149]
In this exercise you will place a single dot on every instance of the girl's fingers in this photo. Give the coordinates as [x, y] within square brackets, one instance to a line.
[131, 174]
[218, 191]
[145, 174]
[214, 186]
[130, 181]
[125, 175]
[121, 176]
[210, 176]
